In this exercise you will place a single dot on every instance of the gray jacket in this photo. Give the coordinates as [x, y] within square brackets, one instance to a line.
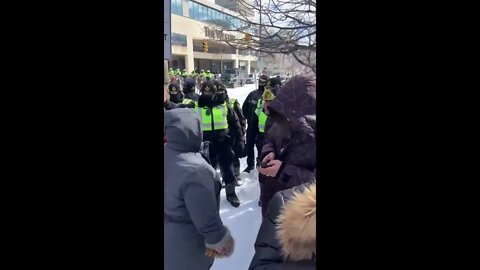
[192, 189]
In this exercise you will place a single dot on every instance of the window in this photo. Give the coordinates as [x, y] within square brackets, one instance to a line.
[202, 13]
[196, 11]
[191, 10]
[206, 14]
[177, 7]
[179, 39]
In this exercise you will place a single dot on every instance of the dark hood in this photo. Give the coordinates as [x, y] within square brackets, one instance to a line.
[296, 100]
[183, 130]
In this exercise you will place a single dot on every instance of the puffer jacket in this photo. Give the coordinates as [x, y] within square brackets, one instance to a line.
[192, 189]
[297, 102]
[287, 237]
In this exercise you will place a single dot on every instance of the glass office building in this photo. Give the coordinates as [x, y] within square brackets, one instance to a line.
[196, 21]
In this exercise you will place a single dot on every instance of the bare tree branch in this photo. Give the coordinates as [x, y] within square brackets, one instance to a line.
[287, 27]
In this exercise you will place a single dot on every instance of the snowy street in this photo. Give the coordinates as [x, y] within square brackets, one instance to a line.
[245, 220]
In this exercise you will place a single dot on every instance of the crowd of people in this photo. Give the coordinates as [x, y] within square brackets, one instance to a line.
[206, 130]
[199, 76]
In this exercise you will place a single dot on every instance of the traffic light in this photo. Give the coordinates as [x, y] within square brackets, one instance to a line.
[205, 46]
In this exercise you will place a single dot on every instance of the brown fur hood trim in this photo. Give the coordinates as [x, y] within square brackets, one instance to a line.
[296, 229]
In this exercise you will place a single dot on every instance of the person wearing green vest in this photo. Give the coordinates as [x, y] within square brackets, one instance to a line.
[235, 105]
[259, 121]
[184, 74]
[178, 72]
[209, 75]
[194, 74]
[171, 73]
[190, 96]
[249, 106]
[220, 127]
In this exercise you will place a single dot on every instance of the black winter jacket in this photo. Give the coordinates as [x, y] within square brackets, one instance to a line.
[287, 237]
[241, 118]
[250, 103]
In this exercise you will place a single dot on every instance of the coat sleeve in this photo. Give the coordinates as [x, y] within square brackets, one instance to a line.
[253, 129]
[293, 175]
[247, 106]
[241, 117]
[201, 202]
[267, 148]
[168, 105]
[233, 124]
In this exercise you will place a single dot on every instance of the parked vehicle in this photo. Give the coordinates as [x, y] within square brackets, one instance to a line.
[250, 79]
[233, 78]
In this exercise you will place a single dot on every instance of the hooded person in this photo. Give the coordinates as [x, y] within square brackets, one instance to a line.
[193, 226]
[288, 156]
[235, 105]
[176, 95]
[249, 106]
[221, 128]
[287, 237]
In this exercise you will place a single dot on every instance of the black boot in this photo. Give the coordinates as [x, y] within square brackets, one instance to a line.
[248, 169]
[231, 195]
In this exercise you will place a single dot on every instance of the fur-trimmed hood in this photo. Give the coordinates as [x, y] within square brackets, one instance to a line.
[296, 229]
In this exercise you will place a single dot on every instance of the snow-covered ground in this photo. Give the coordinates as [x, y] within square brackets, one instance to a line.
[245, 220]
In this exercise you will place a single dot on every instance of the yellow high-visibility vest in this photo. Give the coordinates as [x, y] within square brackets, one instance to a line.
[262, 117]
[187, 101]
[219, 117]
[231, 102]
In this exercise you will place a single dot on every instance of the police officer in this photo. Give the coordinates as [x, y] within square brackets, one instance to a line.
[220, 125]
[235, 105]
[193, 75]
[190, 96]
[249, 106]
[176, 95]
[202, 75]
[209, 75]
[184, 74]
[259, 123]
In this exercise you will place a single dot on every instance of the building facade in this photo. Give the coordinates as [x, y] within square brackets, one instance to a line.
[194, 22]
[240, 6]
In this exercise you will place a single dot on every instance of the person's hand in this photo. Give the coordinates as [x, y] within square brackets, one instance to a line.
[269, 157]
[271, 169]
[224, 248]
[227, 250]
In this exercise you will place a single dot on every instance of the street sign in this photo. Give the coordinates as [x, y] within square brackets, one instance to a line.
[167, 31]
